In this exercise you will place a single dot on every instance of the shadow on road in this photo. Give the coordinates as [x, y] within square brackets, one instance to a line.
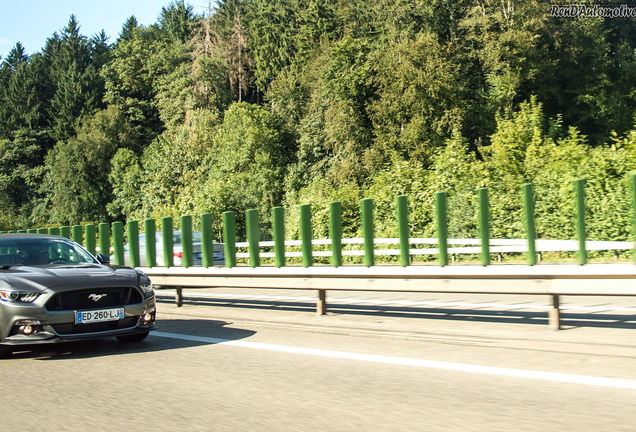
[490, 314]
[111, 347]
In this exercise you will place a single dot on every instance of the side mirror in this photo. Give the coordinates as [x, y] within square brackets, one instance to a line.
[103, 259]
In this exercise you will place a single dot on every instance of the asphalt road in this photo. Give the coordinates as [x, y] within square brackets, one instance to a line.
[260, 364]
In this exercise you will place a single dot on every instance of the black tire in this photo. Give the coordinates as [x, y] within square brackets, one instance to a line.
[5, 351]
[137, 337]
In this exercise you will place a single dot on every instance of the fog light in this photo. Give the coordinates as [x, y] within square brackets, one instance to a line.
[146, 318]
[26, 327]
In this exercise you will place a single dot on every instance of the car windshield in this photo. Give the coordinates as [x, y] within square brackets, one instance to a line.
[41, 251]
[176, 239]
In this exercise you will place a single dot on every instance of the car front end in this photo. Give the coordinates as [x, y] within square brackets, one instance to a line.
[71, 297]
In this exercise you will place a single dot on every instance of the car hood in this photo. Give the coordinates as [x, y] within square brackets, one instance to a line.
[64, 277]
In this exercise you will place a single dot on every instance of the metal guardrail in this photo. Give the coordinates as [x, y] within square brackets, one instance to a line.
[551, 280]
[529, 279]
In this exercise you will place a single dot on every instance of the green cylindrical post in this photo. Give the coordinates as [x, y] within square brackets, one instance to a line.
[89, 230]
[278, 232]
[32, 231]
[43, 231]
[253, 236]
[52, 231]
[484, 225]
[118, 242]
[133, 243]
[186, 241]
[306, 235]
[78, 234]
[366, 213]
[150, 227]
[442, 227]
[104, 238]
[403, 230]
[207, 240]
[229, 238]
[22, 231]
[580, 219]
[168, 242]
[335, 231]
[65, 231]
[528, 210]
[632, 190]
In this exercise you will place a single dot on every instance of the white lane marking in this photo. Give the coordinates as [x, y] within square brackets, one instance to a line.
[401, 302]
[431, 364]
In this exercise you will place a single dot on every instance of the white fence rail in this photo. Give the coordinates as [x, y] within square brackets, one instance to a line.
[463, 246]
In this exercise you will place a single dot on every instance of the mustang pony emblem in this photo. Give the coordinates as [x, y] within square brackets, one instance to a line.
[96, 297]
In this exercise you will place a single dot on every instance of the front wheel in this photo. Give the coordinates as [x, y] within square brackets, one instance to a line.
[137, 337]
[5, 351]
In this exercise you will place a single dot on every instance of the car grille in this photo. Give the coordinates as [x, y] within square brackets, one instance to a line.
[70, 328]
[79, 299]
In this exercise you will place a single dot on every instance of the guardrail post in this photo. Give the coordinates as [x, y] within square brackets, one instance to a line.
[528, 210]
[484, 225]
[65, 231]
[78, 234]
[104, 238]
[207, 240]
[321, 303]
[403, 230]
[253, 230]
[89, 230]
[32, 231]
[168, 241]
[118, 242]
[580, 219]
[306, 235]
[366, 213]
[278, 232]
[52, 231]
[187, 260]
[150, 227]
[335, 232]
[22, 231]
[229, 238]
[42, 231]
[133, 243]
[554, 314]
[632, 190]
[442, 227]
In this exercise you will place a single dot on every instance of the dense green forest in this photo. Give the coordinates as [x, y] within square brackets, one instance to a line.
[263, 103]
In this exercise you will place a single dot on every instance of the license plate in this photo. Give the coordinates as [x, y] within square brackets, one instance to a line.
[85, 317]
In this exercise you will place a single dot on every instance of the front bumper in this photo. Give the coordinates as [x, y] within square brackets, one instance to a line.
[60, 326]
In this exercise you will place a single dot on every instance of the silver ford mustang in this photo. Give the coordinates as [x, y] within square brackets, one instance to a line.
[53, 290]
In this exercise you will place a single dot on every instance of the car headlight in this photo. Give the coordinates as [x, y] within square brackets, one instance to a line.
[15, 296]
[147, 287]
[8, 295]
[145, 284]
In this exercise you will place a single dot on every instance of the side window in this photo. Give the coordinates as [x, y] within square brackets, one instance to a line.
[63, 252]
